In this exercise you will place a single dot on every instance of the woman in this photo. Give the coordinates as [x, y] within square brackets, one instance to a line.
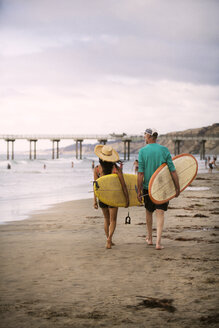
[107, 159]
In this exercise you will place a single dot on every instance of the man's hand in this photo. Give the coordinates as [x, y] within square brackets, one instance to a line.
[177, 192]
[176, 182]
[139, 196]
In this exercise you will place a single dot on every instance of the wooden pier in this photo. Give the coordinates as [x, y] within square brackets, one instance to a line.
[78, 139]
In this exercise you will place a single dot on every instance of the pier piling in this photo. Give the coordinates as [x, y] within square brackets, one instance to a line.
[79, 141]
[57, 148]
[30, 154]
[8, 148]
[177, 147]
[202, 151]
[127, 149]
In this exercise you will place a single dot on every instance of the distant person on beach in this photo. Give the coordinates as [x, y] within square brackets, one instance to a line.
[212, 163]
[93, 165]
[72, 164]
[44, 166]
[8, 166]
[208, 161]
[135, 165]
[150, 158]
[107, 159]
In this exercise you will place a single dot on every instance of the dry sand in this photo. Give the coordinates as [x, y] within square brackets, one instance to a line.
[56, 272]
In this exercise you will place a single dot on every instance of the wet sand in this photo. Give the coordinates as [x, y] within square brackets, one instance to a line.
[56, 272]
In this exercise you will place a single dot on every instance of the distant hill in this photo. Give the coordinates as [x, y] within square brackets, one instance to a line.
[193, 147]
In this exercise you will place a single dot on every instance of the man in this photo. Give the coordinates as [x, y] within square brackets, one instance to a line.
[150, 158]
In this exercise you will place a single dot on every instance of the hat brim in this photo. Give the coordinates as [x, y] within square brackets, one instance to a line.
[114, 157]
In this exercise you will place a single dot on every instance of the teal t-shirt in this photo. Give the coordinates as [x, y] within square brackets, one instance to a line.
[150, 158]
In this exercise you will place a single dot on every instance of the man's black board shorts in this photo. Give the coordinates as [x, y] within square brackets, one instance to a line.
[150, 206]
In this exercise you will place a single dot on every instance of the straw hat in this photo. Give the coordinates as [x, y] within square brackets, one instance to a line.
[106, 153]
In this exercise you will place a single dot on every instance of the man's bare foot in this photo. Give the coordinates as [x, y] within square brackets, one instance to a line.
[159, 247]
[149, 241]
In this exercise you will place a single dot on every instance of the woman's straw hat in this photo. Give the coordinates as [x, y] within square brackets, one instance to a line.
[106, 153]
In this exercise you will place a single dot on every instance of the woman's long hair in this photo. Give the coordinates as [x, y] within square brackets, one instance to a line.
[107, 166]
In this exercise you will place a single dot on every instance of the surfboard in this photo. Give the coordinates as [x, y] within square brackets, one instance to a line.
[108, 190]
[161, 187]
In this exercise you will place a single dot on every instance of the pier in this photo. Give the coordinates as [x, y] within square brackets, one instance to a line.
[78, 139]
[179, 138]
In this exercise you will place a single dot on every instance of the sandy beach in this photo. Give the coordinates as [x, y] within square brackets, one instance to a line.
[56, 272]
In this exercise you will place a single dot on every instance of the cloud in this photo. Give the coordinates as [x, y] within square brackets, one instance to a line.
[94, 67]
[110, 107]
[155, 39]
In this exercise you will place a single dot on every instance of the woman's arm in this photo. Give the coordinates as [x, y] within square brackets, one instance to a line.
[123, 184]
[95, 198]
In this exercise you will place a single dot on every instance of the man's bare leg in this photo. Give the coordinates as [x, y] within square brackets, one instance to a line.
[113, 217]
[149, 221]
[160, 224]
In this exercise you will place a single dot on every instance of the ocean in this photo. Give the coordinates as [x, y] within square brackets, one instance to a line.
[29, 187]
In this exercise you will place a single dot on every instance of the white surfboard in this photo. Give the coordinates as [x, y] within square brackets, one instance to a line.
[161, 187]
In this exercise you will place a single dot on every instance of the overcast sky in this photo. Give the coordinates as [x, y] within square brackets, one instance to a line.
[103, 66]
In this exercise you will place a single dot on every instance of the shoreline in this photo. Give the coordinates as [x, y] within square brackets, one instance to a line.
[43, 209]
[27, 213]
[55, 270]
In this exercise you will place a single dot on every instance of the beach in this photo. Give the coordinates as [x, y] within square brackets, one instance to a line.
[56, 272]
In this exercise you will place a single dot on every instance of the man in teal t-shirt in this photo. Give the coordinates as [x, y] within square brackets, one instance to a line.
[150, 158]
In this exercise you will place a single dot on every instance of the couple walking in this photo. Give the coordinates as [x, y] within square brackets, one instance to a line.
[150, 158]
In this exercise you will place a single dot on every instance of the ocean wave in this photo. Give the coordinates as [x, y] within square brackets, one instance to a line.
[198, 188]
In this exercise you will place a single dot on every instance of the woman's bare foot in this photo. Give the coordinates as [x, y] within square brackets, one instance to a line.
[108, 244]
[159, 247]
[149, 241]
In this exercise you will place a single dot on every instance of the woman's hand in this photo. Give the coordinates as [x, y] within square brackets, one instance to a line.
[95, 205]
[127, 203]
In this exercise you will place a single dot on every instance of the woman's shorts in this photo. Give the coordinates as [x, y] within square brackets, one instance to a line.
[103, 205]
[150, 206]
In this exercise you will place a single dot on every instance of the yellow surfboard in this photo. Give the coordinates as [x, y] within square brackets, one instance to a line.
[108, 190]
[161, 187]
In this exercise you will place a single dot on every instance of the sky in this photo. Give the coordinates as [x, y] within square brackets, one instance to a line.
[104, 66]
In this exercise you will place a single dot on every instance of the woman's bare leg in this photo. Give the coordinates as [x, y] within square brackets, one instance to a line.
[106, 215]
[113, 217]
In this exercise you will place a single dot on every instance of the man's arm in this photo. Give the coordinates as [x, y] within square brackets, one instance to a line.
[176, 182]
[140, 186]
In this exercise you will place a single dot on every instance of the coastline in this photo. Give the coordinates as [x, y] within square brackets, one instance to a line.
[55, 270]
